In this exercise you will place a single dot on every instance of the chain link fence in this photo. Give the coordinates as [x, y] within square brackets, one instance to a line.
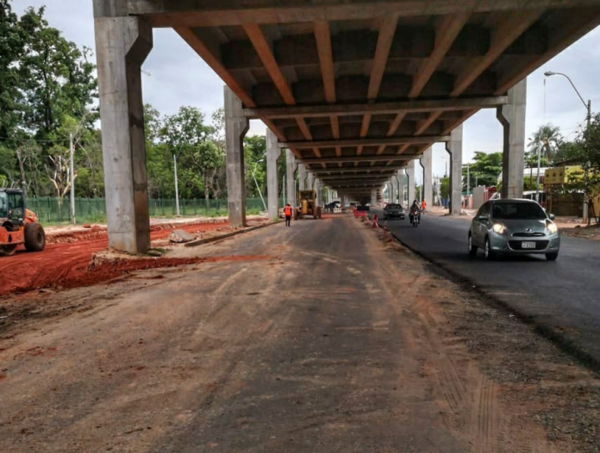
[51, 211]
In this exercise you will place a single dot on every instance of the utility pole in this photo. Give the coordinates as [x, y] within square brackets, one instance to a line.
[176, 185]
[588, 107]
[72, 176]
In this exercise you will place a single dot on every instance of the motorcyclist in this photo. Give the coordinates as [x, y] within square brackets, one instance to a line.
[415, 210]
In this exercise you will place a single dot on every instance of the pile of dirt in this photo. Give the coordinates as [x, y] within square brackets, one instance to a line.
[64, 263]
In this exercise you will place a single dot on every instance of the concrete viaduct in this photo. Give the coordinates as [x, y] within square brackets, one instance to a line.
[352, 90]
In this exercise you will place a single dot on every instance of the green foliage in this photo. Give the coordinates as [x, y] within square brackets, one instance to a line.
[485, 169]
[445, 187]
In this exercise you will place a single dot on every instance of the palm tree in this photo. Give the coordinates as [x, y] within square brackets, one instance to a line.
[546, 140]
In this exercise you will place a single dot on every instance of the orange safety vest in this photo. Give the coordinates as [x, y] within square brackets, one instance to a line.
[287, 211]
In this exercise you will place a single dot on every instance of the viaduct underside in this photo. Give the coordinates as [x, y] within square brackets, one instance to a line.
[353, 90]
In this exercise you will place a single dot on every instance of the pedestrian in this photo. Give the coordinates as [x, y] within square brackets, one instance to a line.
[287, 212]
[423, 206]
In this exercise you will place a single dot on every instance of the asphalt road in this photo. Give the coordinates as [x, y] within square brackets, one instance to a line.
[563, 296]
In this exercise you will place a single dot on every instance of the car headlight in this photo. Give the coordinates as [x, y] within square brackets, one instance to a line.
[552, 228]
[499, 228]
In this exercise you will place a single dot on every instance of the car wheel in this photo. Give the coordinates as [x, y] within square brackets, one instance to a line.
[487, 250]
[472, 247]
[552, 256]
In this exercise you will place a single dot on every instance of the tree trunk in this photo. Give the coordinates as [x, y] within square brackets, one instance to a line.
[22, 170]
[206, 190]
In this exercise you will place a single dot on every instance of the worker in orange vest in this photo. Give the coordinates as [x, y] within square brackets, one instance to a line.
[423, 206]
[287, 212]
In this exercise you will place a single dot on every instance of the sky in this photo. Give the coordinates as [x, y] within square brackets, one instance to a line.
[177, 77]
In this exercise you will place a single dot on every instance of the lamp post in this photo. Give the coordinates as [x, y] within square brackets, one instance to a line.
[588, 107]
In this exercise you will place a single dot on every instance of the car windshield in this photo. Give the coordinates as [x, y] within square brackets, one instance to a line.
[3, 205]
[518, 211]
[393, 206]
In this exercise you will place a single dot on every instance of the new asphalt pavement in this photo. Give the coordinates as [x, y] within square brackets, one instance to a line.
[562, 298]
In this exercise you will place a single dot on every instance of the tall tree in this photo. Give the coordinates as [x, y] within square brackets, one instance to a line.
[484, 170]
[546, 140]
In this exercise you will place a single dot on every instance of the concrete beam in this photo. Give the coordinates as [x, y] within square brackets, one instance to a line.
[345, 159]
[341, 177]
[220, 13]
[314, 111]
[273, 154]
[110, 8]
[372, 168]
[512, 118]
[409, 140]
[236, 126]
[455, 149]
[506, 32]
[122, 45]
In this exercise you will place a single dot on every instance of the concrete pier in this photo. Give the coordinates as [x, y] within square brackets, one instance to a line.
[236, 126]
[273, 154]
[290, 181]
[427, 164]
[411, 183]
[122, 45]
[512, 118]
[455, 149]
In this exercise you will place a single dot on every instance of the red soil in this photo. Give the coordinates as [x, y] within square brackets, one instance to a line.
[65, 262]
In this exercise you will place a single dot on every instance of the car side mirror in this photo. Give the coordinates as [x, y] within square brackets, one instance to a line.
[552, 217]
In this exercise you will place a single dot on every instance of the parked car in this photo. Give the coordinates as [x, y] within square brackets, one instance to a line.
[513, 227]
[393, 211]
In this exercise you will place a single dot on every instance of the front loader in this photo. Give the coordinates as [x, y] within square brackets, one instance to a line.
[18, 225]
[307, 205]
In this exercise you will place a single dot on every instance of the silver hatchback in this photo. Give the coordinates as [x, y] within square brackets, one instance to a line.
[513, 227]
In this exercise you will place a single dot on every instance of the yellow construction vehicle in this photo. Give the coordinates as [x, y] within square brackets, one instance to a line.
[307, 205]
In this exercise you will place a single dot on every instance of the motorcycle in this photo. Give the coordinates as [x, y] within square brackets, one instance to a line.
[415, 218]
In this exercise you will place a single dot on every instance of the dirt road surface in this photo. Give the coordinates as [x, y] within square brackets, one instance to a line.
[65, 260]
[316, 338]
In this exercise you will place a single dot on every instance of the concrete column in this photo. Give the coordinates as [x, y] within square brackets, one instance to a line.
[329, 196]
[454, 147]
[410, 176]
[122, 45]
[310, 182]
[427, 163]
[236, 126]
[401, 178]
[301, 177]
[392, 187]
[512, 118]
[373, 197]
[290, 177]
[318, 186]
[273, 153]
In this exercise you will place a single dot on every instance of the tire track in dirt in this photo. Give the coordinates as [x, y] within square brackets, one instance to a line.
[469, 397]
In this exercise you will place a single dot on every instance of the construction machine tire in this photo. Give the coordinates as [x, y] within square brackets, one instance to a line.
[296, 215]
[319, 212]
[8, 250]
[35, 237]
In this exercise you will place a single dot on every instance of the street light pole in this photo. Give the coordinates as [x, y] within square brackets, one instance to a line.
[588, 107]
